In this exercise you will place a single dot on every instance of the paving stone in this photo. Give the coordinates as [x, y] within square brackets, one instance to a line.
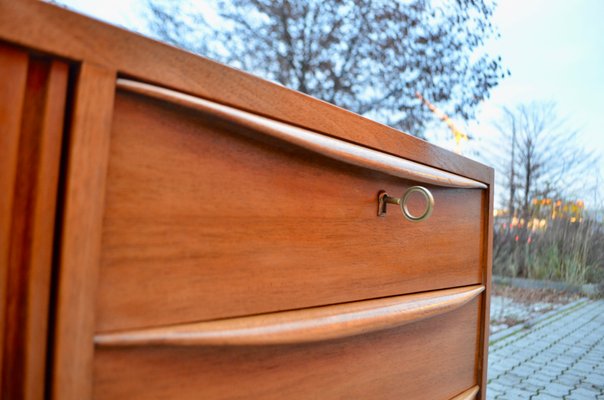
[543, 396]
[557, 389]
[581, 367]
[575, 374]
[510, 380]
[497, 387]
[567, 380]
[538, 380]
[550, 371]
[590, 387]
[517, 394]
[582, 394]
[563, 363]
[595, 378]
[492, 394]
[524, 370]
[531, 387]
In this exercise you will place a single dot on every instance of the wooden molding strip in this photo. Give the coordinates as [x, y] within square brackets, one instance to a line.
[80, 245]
[330, 147]
[469, 394]
[300, 326]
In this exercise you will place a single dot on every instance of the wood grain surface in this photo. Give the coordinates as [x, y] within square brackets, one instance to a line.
[432, 359]
[46, 27]
[203, 221]
[13, 64]
[38, 106]
[81, 233]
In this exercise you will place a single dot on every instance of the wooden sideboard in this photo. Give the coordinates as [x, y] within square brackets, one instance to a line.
[174, 228]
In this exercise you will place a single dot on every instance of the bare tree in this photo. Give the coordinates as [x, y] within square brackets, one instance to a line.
[541, 159]
[368, 56]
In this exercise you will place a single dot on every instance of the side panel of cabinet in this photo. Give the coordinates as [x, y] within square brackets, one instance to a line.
[32, 107]
[487, 221]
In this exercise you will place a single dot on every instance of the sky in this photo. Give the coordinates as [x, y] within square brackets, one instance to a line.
[554, 50]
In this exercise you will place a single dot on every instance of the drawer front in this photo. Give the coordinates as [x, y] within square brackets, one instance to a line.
[205, 219]
[430, 359]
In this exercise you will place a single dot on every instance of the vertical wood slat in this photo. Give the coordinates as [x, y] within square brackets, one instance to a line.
[43, 211]
[33, 149]
[486, 281]
[81, 233]
[13, 64]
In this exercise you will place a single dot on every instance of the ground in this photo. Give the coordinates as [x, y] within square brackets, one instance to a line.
[511, 306]
[545, 345]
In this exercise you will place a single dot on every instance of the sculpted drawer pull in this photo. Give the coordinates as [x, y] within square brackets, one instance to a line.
[384, 199]
[469, 394]
[325, 145]
[300, 326]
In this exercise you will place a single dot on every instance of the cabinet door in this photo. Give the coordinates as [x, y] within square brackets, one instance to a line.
[32, 108]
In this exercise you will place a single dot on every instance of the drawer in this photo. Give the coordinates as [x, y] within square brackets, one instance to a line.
[208, 218]
[432, 358]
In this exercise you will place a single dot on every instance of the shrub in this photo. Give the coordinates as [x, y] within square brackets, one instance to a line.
[566, 251]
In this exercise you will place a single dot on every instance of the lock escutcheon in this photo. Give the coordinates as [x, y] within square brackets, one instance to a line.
[384, 199]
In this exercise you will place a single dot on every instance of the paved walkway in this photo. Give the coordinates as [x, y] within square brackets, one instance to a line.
[559, 356]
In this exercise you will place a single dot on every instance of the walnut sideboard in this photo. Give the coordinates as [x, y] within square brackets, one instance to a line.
[171, 228]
